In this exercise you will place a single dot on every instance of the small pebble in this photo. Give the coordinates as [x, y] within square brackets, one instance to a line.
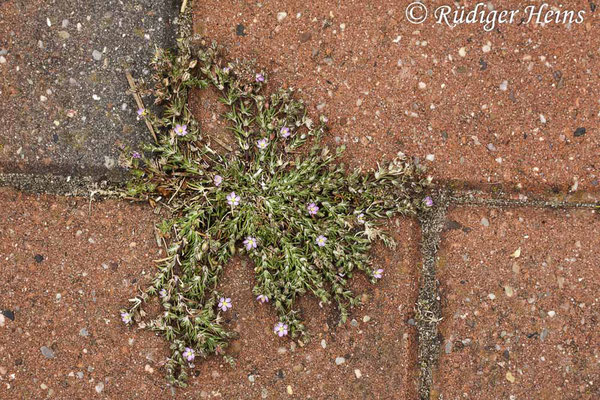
[551, 313]
[340, 360]
[508, 290]
[485, 222]
[357, 373]
[83, 332]
[96, 55]
[251, 378]
[149, 369]
[8, 314]
[281, 16]
[289, 390]
[504, 86]
[323, 343]
[354, 323]
[99, 387]
[2, 60]
[492, 296]
[510, 377]
[47, 352]
[462, 52]
[448, 347]
[579, 132]
[422, 85]
[366, 319]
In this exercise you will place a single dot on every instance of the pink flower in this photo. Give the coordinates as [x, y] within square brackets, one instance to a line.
[126, 317]
[377, 274]
[225, 303]
[321, 240]
[233, 199]
[285, 132]
[181, 130]
[262, 298]
[218, 180]
[312, 209]
[250, 243]
[136, 154]
[280, 329]
[260, 78]
[360, 218]
[262, 143]
[189, 354]
[428, 201]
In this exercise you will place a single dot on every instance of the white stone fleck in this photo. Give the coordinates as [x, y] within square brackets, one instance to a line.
[281, 16]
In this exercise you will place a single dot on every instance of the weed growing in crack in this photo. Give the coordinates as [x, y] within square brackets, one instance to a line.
[305, 222]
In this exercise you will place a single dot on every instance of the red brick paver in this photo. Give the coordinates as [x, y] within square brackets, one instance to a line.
[521, 327]
[505, 112]
[91, 258]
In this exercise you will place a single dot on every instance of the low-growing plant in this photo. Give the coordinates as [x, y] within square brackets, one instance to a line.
[280, 198]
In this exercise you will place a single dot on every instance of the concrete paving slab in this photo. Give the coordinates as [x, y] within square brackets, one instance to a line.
[62, 81]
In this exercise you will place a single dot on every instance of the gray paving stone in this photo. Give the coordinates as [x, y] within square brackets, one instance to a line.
[65, 109]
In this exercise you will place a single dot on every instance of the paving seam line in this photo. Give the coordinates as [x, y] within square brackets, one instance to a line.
[60, 185]
[86, 186]
[428, 311]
